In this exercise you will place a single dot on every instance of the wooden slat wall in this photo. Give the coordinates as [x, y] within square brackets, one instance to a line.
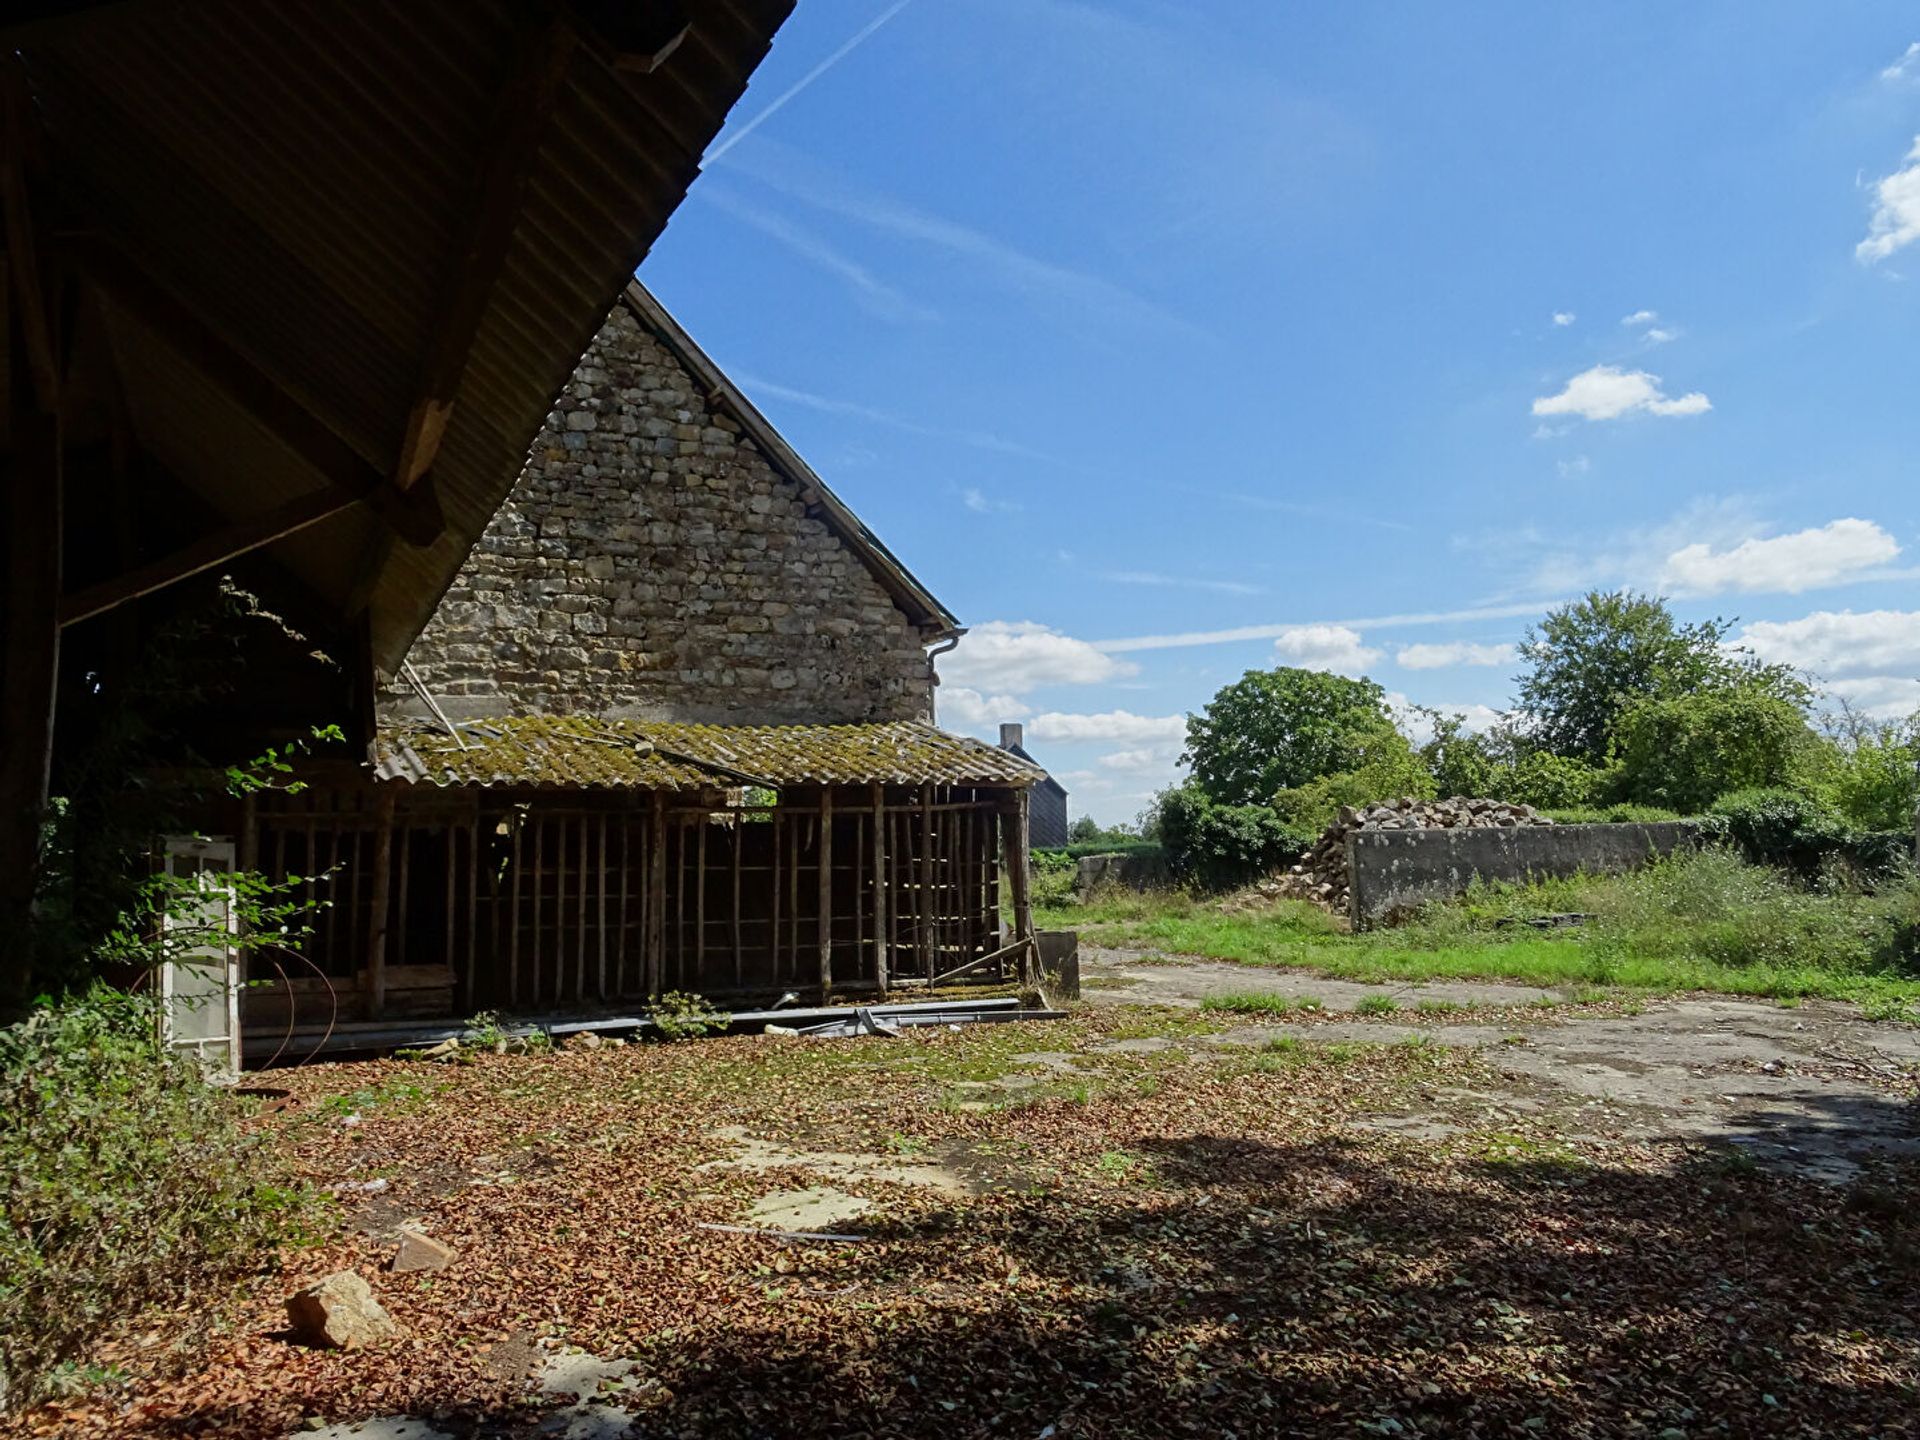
[536, 904]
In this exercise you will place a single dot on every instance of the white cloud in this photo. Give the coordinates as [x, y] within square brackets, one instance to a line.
[1563, 318]
[1840, 644]
[1896, 215]
[1804, 560]
[1578, 465]
[1337, 648]
[740, 132]
[981, 503]
[1660, 336]
[1640, 317]
[1015, 656]
[1150, 759]
[1880, 697]
[1907, 64]
[1111, 727]
[1457, 652]
[756, 385]
[1606, 392]
[1528, 609]
[959, 708]
[873, 293]
[1417, 728]
[1180, 582]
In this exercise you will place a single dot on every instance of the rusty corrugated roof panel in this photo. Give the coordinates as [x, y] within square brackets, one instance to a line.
[577, 752]
[302, 177]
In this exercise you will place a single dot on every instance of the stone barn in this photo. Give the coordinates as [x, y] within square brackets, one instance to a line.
[669, 730]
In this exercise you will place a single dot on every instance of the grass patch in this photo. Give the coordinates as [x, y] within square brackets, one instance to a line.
[1249, 1002]
[1705, 921]
[1376, 1005]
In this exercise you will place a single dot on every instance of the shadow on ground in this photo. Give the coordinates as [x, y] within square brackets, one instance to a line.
[1232, 1286]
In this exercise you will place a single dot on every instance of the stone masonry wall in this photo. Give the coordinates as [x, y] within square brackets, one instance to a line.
[651, 564]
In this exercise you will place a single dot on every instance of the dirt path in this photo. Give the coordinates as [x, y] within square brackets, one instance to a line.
[1814, 1089]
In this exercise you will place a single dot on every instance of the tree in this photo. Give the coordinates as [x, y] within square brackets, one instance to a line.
[1460, 761]
[1588, 661]
[1386, 767]
[1274, 730]
[1686, 751]
[1870, 770]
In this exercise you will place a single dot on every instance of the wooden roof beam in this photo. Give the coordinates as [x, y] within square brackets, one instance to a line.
[224, 545]
[22, 239]
[479, 256]
[415, 515]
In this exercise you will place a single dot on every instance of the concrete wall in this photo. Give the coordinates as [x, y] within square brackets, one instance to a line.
[1397, 870]
[1133, 870]
[652, 564]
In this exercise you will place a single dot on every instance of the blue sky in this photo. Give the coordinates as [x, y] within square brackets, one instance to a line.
[1165, 341]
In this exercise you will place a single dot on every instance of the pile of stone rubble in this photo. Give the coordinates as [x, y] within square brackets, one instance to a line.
[1322, 875]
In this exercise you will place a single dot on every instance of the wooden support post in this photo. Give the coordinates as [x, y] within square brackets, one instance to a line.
[467, 976]
[626, 912]
[580, 926]
[776, 821]
[923, 941]
[656, 894]
[826, 893]
[1013, 832]
[30, 661]
[882, 882]
[447, 918]
[600, 922]
[406, 859]
[382, 886]
[513, 919]
[559, 908]
[699, 831]
[739, 952]
[793, 898]
[535, 930]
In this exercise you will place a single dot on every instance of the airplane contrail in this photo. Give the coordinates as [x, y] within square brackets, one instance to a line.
[804, 81]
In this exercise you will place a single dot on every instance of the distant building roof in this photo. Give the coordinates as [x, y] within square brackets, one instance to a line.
[577, 752]
[1012, 737]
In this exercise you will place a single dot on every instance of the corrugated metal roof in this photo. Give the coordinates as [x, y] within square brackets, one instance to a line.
[302, 177]
[578, 752]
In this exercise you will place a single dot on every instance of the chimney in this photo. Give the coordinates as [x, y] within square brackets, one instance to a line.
[1010, 736]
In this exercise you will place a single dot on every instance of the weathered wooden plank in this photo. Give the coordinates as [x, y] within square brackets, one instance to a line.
[382, 882]
[739, 948]
[826, 892]
[228, 543]
[882, 886]
[513, 938]
[656, 893]
[600, 918]
[468, 977]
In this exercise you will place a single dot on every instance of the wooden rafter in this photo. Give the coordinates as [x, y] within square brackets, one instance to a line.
[475, 264]
[213, 550]
[23, 248]
[415, 516]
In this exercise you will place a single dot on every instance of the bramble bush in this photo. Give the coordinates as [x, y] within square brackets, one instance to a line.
[129, 1181]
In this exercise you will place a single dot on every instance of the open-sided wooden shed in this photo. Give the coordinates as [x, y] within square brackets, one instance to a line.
[547, 864]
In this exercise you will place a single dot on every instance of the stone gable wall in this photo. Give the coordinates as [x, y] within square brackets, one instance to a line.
[651, 564]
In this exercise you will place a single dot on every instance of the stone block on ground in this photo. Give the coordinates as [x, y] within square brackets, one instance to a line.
[418, 1251]
[339, 1313]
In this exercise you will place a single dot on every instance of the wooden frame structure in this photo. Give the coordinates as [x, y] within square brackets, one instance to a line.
[450, 901]
[542, 864]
